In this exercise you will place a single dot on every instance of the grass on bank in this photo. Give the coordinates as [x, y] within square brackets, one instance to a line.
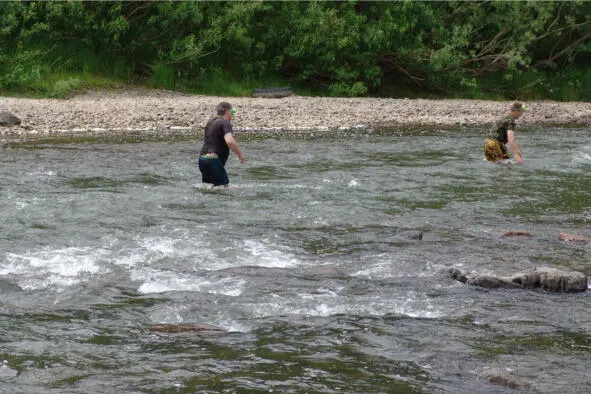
[63, 86]
[573, 85]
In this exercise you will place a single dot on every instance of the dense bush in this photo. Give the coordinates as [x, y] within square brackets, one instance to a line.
[471, 49]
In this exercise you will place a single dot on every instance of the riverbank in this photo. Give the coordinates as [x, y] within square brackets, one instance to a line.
[139, 110]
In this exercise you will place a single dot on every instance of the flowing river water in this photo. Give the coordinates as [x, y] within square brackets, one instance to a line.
[306, 263]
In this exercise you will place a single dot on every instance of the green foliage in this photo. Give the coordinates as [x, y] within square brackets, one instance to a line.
[64, 88]
[341, 89]
[163, 77]
[345, 48]
[20, 70]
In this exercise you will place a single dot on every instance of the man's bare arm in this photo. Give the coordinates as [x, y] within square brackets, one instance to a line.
[231, 142]
[514, 147]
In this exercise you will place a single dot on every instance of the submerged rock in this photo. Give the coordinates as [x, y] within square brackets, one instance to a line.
[413, 235]
[502, 378]
[573, 238]
[416, 235]
[325, 271]
[7, 286]
[9, 119]
[541, 278]
[516, 233]
[177, 328]
[492, 282]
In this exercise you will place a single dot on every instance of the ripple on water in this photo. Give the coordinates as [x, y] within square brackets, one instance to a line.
[582, 156]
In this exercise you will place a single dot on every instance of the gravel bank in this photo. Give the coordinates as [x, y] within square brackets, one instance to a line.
[133, 110]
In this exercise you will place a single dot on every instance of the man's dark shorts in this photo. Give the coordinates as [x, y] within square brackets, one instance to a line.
[213, 171]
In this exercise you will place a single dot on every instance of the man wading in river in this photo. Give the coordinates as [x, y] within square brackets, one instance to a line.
[503, 133]
[217, 142]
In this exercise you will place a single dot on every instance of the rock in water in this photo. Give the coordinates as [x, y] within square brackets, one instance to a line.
[413, 235]
[9, 119]
[458, 275]
[573, 238]
[552, 279]
[502, 378]
[541, 278]
[516, 233]
[7, 286]
[492, 282]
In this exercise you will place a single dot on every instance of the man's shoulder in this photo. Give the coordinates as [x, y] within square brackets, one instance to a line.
[226, 126]
[220, 124]
[509, 121]
[505, 120]
[221, 121]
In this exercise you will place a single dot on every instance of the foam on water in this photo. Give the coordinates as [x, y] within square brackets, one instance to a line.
[264, 185]
[42, 173]
[194, 255]
[169, 314]
[582, 156]
[159, 281]
[21, 204]
[266, 254]
[160, 245]
[63, 267]
[149, 250]
[354, 183]
[384, 266]
[232, 325]
[414, 304]
[54, 267]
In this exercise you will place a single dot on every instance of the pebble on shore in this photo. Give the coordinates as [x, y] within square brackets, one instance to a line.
[133, 110]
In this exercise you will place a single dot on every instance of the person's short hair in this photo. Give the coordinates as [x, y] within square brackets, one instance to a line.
[222, 108]
[516, 106]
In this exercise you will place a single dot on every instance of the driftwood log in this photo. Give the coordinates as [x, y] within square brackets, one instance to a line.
[273, 92]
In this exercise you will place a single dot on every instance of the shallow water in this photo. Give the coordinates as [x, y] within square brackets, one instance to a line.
[305, 262]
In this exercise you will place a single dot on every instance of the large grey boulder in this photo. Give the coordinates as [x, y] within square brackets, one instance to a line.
[541, 278]
[9, 119]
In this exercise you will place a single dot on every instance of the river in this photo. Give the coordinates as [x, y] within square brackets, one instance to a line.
[305, 262]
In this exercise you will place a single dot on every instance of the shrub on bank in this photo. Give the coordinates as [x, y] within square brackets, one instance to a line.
[492, 50]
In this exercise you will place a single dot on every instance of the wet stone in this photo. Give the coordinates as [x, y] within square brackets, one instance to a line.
[574, 238]
[516, 233]
[541, 278]
[9, 119]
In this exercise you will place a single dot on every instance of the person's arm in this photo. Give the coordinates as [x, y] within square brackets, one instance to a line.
[231, 142]
[514, 147]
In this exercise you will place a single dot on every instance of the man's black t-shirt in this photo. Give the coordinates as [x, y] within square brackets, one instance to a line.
[214, 142]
